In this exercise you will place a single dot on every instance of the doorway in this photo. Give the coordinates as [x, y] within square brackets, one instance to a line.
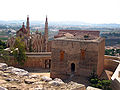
[72, 67]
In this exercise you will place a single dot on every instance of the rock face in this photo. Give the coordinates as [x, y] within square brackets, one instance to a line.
[92, 88]
[3, 66]
[30, 81]
[18, 79]
[2, 88]
[46, 79]
[56, 82]
[19, 72]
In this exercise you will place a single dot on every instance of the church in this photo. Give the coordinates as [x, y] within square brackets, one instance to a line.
[33, 42]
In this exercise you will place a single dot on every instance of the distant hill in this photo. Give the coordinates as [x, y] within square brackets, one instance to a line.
[61, 23]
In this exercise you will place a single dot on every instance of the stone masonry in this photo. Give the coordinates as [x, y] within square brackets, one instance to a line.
[73, 56]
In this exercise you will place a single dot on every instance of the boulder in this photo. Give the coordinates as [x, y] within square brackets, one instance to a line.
[33, 76]
[29, 81]
[13, 87]
[5, 75]
[2, 88]
[9, 79]
[92, 88]
[40, 87]
[19, 72]
[3, 66]
[2, 81]
[58, 79]
[46, 79]
[56, 83]
[9, 68]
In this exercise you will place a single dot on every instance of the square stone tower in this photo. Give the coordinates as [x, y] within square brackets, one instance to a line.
[77, 55]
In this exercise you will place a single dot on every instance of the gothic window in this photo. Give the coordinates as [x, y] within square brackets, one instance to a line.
[61, 55]
[82, 54]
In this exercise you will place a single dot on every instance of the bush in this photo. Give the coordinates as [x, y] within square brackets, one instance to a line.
[98, 83]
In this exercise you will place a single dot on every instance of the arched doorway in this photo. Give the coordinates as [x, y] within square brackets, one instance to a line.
[72, 67]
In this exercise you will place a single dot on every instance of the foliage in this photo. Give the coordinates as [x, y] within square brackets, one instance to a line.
[4, 38]
[112, 52]
[2, 45]
[4, 55]
[86, 36]
[19, 51]
[98, 83]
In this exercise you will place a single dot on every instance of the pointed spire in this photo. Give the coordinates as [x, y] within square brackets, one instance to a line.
[28, 16]
[46, 19]
[23, 25]
[27, 22]
[46, 34]
[27, 25]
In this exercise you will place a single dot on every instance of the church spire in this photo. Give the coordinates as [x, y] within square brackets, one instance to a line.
[46, 19]
[23, 25]
[27, 27]
[46, 33]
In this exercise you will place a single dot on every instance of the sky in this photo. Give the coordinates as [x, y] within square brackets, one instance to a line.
[89, 11]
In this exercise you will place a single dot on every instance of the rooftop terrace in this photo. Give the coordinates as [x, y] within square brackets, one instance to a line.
[98, 39]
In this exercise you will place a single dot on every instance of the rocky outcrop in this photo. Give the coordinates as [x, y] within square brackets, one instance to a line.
[3, 66]
[56, 82]
[19, 72]
[2, 88]
[12, 78]
[46, 79]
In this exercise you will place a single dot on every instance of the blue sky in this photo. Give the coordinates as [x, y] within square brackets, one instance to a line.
[90, 11]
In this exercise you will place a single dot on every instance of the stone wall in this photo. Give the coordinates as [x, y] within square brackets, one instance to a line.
[110, 62]
[101, 52]
[81, 56]
[34, 60]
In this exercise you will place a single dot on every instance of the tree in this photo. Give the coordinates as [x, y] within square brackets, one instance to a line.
[98, 83]
[2, 45]
[19, 51]
[3, 54]
[106, 84]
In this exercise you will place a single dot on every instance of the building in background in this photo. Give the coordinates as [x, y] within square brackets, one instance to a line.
[33, 42]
